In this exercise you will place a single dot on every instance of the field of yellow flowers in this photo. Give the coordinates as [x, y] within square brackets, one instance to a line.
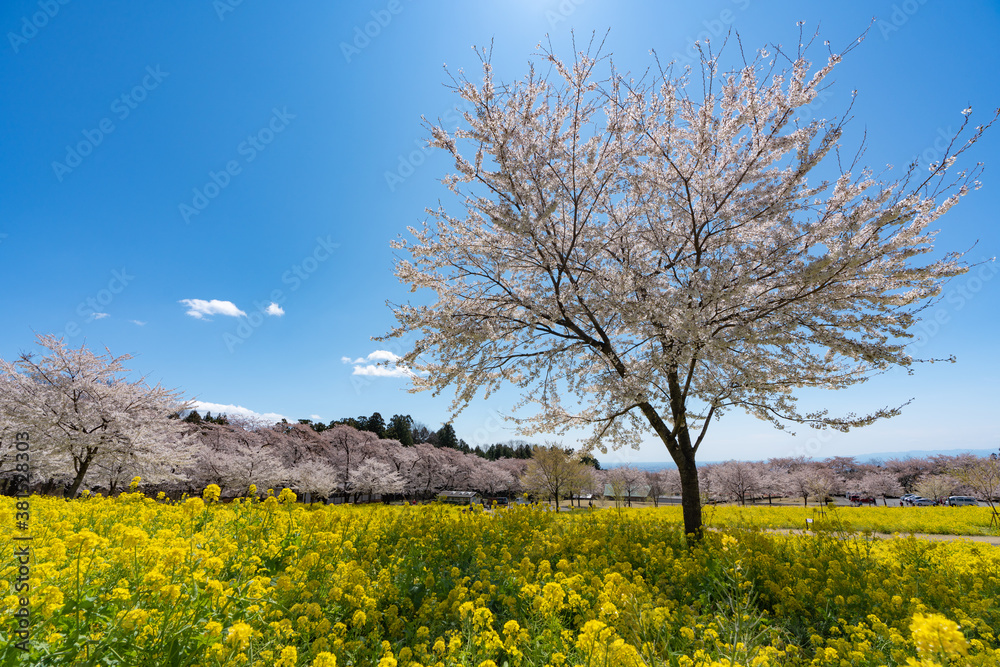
[933, 520]
[138, 581]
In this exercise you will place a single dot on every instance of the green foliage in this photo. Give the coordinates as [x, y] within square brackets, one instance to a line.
[447, 437]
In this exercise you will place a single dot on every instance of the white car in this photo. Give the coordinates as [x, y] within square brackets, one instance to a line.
[957, 501]
[921, 502]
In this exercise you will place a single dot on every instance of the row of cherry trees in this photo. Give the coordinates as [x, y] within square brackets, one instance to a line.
[347, 463]
[934, 477]
[88, 422]
[350, 464]
[339, 462]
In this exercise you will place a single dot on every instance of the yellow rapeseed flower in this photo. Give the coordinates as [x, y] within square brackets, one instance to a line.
[325, 659]
[211, 493]
[937, 636]
[239, 635]
[193, 506]
[289, 657]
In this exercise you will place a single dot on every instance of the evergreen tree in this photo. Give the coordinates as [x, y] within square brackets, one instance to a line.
[358, 424]
[446, 437]
[375, 424]
[401, 428]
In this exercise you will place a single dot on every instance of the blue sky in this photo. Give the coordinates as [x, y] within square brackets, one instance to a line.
[159, 156]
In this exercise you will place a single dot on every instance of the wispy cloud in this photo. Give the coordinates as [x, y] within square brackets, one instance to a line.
[389, 368]
[138, 323]
[99, 316]
[199, 308]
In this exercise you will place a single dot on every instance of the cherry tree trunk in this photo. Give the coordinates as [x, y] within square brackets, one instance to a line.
[681, 451]
[690, 499]
[78, 480]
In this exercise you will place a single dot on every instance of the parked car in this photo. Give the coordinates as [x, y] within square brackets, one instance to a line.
[907, 498]
[921, 502]
[859, 499]
[958, 501]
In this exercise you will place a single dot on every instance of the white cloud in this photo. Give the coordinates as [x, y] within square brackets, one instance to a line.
[275, 309]
[138, 323]
[382, 371]
[199, 308]
[314, 417]
[99, 316]
[390, 369]
[236, 411]
[377, 355]
[383, 355]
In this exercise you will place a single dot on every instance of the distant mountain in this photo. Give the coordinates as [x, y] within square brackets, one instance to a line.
[651, 466]
[920, 454]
